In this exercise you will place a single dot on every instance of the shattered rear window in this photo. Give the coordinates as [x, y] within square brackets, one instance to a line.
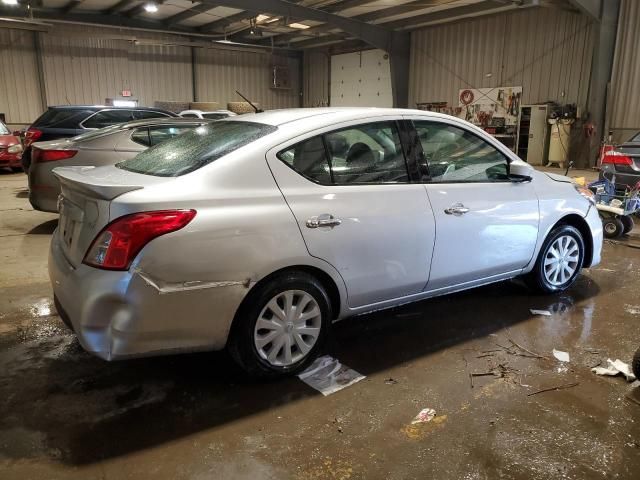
[196, 148]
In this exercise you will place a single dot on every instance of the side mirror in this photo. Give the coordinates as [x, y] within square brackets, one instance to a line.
[520, 171]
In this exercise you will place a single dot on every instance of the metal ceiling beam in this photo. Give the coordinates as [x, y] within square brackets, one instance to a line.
[374, 35]
[179, 17]
[71, 5]
[220, 25]
[121, 5]
[591, 8]
[365, 17]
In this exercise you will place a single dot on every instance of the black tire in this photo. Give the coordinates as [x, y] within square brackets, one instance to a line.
[536, 279]
[612, 227]
[635, 364]
[16, 169]
[241, 345]
[627, 224]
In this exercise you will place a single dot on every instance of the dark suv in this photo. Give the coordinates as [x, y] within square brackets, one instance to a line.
[70, 120]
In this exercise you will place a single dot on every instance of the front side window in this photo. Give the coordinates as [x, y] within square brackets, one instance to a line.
[456, 155]
[107, 118]
[195, 149]
[365, 154]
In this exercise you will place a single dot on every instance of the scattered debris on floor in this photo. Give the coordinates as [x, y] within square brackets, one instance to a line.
[545, 313]
[560, 355]
[500, 371]
[327, 375]
[551, 389]
[425, 415]
[390, 381]
[615, 368]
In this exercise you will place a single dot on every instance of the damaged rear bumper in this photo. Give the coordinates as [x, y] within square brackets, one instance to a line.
[128, 314]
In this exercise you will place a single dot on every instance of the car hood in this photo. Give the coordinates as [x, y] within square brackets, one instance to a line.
[8, 140]
[558, 178]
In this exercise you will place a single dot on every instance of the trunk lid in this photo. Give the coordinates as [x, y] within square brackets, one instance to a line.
[85, 202]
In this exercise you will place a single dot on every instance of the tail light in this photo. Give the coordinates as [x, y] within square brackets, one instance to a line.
[616, 158]
[41, 156]
[118, 243]
[31, 135]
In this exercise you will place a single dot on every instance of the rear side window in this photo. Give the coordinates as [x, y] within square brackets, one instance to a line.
[167, 132]
[195, 149]
[63, 118]
[106, 118]
[364, 154]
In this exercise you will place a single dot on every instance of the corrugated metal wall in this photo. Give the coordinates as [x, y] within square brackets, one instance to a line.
[87, 65]
[220, 72]
[81, 69]
[20, 98]
[545, 50]
[315, 75]
[623, 110]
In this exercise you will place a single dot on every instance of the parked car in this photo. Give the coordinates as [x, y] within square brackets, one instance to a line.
[68, 121]
[623, 164]
[213, 115]
[256, 232]
[106, 146]
[10, 149]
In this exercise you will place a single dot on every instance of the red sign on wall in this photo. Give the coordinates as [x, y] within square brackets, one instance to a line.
[126, 93]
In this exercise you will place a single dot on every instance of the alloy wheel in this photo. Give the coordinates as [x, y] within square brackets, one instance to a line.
[287, 328]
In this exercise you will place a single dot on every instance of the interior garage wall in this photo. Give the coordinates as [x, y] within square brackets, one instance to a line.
[623, 108]
[20, 98]
[315, 75]
[547, 51]
[220, 72]
[83, 69]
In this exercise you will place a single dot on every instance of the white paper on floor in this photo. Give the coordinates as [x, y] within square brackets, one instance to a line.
[560, 355]
[327, 375]
[546, 313]
[614, 368]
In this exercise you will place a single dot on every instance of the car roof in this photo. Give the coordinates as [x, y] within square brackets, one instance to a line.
[327, 115]
[150, 122]
[103, 107]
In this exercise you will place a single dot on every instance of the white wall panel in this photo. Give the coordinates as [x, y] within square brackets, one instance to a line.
[20, 98]
[546, 50]
[361, 79]
[315, 76]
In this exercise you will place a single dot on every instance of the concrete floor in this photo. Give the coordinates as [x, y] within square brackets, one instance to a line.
[65, 414]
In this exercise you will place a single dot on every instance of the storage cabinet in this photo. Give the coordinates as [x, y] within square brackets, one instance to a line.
[533, 135]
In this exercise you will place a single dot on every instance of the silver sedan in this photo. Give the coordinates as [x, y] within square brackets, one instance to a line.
[255, 233]
[106, 146]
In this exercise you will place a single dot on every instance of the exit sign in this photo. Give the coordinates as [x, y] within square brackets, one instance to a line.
[126, 93]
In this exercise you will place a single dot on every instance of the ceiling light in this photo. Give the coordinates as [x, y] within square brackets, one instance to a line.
[262, 18]
[300, 26]
[10, 2]
[150, 7]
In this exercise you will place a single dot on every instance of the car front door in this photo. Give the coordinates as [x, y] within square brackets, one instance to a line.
[487, 225]
[350, 193]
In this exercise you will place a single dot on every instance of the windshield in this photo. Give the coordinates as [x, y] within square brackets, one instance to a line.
[195, 149]
[3, 129]
[98, 133]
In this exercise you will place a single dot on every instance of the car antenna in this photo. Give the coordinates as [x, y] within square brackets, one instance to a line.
[257, 110]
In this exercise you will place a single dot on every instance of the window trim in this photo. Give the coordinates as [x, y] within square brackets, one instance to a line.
[81, 124]
[420, 152]
[323, 134]
[133, 131]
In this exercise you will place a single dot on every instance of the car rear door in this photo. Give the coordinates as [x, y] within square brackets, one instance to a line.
[350, 193]
[487, 225]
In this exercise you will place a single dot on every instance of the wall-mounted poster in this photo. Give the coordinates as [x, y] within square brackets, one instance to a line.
[490, 106]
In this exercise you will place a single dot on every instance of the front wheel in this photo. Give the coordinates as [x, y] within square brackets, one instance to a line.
[559, 261]
[282, 326]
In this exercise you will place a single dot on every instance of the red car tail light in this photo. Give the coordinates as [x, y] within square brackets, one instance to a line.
[616, 158]
[41, 156]
[31, 135]
[115, 247]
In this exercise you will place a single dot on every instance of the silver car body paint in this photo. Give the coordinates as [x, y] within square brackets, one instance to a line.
[184, 288]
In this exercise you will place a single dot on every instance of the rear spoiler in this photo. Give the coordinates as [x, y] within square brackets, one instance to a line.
[105, 187]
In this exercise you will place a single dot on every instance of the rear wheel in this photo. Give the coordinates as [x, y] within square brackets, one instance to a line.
[627, 224]
[612, 227]
[282, 326]
[559, 261]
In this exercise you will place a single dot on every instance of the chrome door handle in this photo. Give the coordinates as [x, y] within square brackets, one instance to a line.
[324, 220]
[456, 209]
